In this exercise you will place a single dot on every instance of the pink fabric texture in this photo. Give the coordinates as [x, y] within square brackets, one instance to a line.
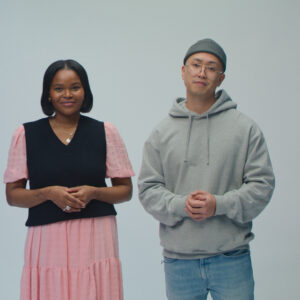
[75, 259]
[72, 260]
[16, 165]
[117, 162]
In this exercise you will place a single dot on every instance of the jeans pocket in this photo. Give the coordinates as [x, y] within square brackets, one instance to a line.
[236, 253]
[168, 260]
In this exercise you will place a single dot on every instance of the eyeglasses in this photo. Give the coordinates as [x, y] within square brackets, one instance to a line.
[196, 68]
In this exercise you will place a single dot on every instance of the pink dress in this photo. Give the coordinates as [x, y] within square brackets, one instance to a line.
[74, 259]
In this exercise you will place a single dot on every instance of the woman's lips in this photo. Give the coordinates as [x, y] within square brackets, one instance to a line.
[67, 103]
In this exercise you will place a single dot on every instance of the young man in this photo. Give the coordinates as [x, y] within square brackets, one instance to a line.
[206, 174]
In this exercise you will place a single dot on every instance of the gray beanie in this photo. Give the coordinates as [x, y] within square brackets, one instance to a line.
[209, 46]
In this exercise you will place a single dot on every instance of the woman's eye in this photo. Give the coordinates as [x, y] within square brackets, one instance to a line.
[58, 89]
[75, 88]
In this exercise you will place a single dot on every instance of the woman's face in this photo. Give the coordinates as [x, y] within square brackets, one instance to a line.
[66, 93]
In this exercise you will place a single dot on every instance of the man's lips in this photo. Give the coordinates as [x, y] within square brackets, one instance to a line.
[202, 83]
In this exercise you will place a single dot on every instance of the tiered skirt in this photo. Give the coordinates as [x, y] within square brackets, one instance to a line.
[73, 260]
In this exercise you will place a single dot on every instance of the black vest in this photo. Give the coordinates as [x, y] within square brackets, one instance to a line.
[81, 162]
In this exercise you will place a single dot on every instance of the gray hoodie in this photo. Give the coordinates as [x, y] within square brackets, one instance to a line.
[221, 151]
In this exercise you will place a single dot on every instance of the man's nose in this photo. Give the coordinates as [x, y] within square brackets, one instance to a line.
[202, 72]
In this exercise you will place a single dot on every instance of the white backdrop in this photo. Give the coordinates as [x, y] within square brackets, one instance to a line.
[133, 51]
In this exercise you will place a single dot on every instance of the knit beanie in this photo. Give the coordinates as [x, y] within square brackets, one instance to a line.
[209, 46]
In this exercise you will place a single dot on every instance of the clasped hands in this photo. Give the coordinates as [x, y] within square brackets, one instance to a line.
[76, 197]
[200, 205]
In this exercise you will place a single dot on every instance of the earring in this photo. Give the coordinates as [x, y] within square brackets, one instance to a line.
[49, 99]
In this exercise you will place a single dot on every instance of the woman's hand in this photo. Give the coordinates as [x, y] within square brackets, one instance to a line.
[18, 195]
[83, 193]
[64, 199]
[120, 191]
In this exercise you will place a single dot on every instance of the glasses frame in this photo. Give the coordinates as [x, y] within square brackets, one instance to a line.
[210, 73]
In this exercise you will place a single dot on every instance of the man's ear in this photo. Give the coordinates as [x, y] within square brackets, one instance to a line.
[221, 78]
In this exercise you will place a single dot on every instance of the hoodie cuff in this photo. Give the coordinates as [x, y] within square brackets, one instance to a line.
[220, 205]
[178, 205]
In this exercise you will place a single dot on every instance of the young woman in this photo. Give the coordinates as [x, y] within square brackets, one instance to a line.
[71, 250]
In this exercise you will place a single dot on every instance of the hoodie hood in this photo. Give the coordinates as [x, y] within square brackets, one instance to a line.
[179, 110]
[223, 102]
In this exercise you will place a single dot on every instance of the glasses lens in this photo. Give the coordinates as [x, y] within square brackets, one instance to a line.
[198, 68]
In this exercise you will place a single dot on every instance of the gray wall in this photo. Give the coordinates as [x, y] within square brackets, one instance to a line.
[132, 51]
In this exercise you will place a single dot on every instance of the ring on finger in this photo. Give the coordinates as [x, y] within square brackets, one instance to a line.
[67, 208]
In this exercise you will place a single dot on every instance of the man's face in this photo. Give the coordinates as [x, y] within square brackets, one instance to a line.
[202, 74]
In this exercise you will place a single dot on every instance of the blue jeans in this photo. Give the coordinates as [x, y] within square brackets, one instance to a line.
[227, 276]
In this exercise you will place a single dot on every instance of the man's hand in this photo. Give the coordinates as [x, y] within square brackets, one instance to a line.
[200, 205]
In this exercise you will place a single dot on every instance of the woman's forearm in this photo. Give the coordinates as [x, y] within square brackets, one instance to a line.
[18, 195]
[120, 191]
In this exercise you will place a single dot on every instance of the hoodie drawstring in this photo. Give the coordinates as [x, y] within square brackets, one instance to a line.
[188, 137]
[207, 140]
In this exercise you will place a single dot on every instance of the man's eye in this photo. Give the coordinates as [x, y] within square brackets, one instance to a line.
[212, 69]
[197, 66]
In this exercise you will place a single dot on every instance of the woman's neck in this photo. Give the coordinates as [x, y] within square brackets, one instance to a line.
[65, 121]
